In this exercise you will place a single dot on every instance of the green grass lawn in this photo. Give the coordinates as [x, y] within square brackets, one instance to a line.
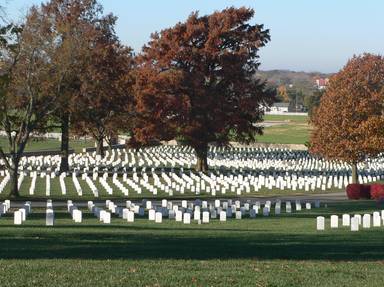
[295, 130]
[49, 144]
[271, 251]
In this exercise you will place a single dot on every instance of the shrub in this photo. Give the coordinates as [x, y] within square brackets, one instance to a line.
[358, 191]
[377, 191]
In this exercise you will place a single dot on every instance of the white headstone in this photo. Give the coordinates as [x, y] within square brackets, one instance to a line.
[196, 215]
[49, 217]
[158, 217]
[223, 216]
[107, 217]
[77, 216]
[131, 216]
[151, 214]
[376, 219]
[320, 223]
[17, 217]
[367, 221]
[205, 216]
[354, 224]
[238, 214]
[179, 215]
[334, 221]
[346, 219]
[187, 218]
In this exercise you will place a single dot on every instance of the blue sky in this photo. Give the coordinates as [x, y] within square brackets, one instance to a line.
[307, 35]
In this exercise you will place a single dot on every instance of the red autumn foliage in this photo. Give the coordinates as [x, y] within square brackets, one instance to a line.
[377, 191]
[196, 81]
[349, 123]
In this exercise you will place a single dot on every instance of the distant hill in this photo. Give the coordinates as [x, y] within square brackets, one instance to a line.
[300, 80]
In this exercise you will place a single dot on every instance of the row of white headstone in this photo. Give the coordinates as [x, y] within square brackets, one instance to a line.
[367, 220]
[281, 168]
[20, 215]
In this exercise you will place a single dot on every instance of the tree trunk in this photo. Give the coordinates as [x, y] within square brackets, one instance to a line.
[202, 161]
[100, 147]
[355, 178]
[14, 180]
[64, 166]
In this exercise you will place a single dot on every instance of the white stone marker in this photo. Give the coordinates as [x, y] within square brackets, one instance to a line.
[187, 218]
[151, 214]
[354, 224]
[196, 215]
[238, 214]
[223, 216]
[17, 217]
[346, 220]
[125, 213]
[77, 216]
[298, 206]
[367, 221]
[320, 223]
[266, 211]
[334, 221]
[205, 217]
[49, 217]
[107, 217]
[179, 216]
[288, 207]
[217, 203]
[376, 219]
[158, 217]
[131, 216]
[358, 216]
[308, 205]
[277, 209]
[23, 214]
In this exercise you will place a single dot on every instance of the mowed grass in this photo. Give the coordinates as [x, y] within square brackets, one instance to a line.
[293, 130]
[281, 250]
[40, 144]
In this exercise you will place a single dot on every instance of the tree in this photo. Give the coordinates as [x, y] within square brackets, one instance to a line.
[349, 123]
[29, 86]
[311, 102]
[105, 100]
[74, 23]
[195, 81]
[283, 94]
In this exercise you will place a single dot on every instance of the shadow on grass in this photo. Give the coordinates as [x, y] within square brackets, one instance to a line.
[158, 243]
[124, 241]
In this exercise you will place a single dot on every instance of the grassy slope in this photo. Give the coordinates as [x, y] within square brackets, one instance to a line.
[274, 251]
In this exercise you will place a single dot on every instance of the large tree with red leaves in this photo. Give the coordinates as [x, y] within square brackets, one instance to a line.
[349, 123]
[104, 103]
[197, 81]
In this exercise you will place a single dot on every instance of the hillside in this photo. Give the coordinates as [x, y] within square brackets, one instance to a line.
[300, 80]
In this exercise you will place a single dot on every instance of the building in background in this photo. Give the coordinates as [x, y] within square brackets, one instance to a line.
[321, 83]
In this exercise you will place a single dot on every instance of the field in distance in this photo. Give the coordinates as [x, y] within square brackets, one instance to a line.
[285, 129]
